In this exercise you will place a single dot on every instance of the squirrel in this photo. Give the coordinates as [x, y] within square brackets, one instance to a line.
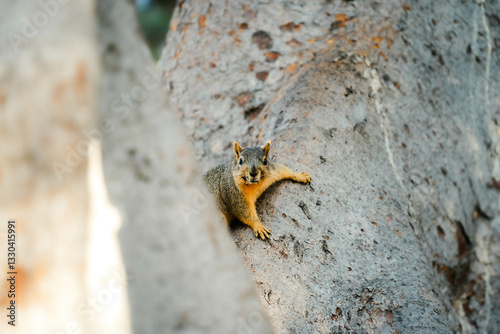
[237, 184]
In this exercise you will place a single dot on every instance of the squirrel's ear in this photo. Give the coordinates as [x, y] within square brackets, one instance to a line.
[266, 148]
[237, 148]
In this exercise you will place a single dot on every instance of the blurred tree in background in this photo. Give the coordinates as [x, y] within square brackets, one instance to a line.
[154, 18]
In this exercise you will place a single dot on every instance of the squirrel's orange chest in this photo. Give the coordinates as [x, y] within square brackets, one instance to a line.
[252, 191]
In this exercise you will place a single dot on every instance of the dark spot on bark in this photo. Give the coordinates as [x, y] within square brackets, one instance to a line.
[450, 274]
[335, 25]
[112, 47]
[324, 247]
[262, 76]
[463, 241]
[360, 126]
[131, 151]
[495, 183]
[243, 26]
[494, 20]
[298, 250]
[291, 26]
[262, 39]
[407, 129]
[323, 160]
[441, 60]
[252, 113]
[440, 232]
[465, 305]
[267, 295]
[348, 91]
[304, 208]
[386, 77]
[444, 171]
[401, 27]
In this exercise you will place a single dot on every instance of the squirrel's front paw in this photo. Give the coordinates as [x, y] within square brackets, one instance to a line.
[261, 231]
[303, 177]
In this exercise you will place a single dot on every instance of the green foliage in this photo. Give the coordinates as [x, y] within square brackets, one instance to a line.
[155, 21]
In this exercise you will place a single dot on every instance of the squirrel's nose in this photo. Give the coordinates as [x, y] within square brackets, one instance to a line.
[253, 173]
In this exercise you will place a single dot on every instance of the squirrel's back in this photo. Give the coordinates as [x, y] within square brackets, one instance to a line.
[220, 183]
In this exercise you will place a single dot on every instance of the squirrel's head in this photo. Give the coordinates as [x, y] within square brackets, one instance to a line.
[250, 164]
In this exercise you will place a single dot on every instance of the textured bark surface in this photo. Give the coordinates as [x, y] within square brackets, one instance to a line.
[393, 109]
[184, 272]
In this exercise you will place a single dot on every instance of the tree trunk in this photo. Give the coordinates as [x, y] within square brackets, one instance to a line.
[394, 111]
[48, 78]
[183, 272]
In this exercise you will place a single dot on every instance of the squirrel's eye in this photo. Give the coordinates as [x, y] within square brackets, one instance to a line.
[240, 162]
[265, 161]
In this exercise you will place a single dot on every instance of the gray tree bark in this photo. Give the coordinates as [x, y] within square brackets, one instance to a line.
[184, 273]
[393, 109]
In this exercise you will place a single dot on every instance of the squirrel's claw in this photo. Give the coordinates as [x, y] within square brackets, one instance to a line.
[303, 177]
[262, 232]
